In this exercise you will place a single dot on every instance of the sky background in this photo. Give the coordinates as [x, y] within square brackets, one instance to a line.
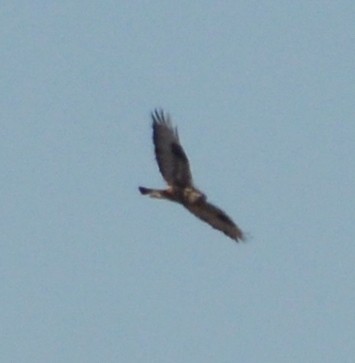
[263, 95]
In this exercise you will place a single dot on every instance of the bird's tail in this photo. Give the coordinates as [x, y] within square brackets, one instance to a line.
[145, 191]
[153, 193]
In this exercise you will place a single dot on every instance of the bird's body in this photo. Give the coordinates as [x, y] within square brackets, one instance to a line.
[183, 196]
[174, 167]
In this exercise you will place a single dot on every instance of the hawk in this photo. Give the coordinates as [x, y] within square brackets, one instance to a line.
[174, 167]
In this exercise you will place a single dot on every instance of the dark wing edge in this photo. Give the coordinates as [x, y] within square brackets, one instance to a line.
[217, 218]
[170, 155]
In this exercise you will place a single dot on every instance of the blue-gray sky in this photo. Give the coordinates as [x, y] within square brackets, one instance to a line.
[263, 95]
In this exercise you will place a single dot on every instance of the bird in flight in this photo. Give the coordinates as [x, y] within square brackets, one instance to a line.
[175, 169]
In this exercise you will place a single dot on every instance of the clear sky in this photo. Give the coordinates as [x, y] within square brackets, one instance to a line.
[263, 95]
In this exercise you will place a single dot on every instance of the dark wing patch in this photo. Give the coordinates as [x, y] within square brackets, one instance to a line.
[179, 152]
[217, 218]
[171, 157]
[223, 217]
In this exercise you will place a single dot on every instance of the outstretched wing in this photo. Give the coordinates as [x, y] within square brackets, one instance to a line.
[171, 158]
[217, 218]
